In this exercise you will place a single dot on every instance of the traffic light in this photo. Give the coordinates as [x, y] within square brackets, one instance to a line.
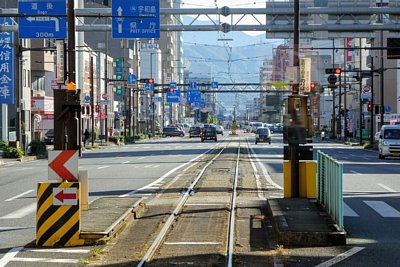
[97, 108]
[333, 71]
[171, 90]
[147, 80]
[369, 106]
[312, 86]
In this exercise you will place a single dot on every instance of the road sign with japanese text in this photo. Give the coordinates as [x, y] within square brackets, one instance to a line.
[6, 64]
[135, 18]
[174, 96]
[43, 19]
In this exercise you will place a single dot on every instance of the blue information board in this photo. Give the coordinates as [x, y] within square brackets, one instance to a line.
[43, 19]
[214, 85]
[132, 79]
[193, 85]
[174, 97]
[6, 64]
[193, 96]
[135, 18]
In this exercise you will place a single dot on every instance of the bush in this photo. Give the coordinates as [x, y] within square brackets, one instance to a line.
[37, 148]
[116, 139]
[3, 144]
[12, 152]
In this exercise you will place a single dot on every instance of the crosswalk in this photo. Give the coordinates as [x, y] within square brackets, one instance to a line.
[379, 207]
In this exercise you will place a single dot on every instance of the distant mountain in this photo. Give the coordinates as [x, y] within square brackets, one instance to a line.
[236, 60]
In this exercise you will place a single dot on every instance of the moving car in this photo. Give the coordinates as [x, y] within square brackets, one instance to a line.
[389, 141]
[49, 137]
[208, 133]
[194, 131]
[173, 131]
[220, 129]
[263, 134]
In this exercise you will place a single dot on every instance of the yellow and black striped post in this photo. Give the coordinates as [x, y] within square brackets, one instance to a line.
[58, 214]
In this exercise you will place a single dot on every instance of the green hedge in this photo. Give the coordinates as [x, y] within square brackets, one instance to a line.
[12, 152]
[37, 148]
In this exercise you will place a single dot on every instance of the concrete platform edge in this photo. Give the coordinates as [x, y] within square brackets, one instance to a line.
[306, 238]
[97, 238]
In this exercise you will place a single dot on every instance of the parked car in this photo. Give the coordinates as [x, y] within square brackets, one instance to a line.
[263, 134]
[173, 131]
[194, 131]
[49, 137]
[220, 129]
[208, 133]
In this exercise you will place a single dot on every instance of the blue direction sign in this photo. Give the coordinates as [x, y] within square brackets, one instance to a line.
[172, 85]
[6, 64]
[149, 86]
[193, 85]
[174, 96]
[135, 18]
[132, 79]
[193, 96]
[214, 85]
[42, 19]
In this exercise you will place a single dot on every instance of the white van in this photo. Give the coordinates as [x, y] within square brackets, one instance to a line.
[389, 141]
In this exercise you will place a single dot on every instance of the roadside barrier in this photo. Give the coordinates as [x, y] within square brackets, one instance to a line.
[330, 187]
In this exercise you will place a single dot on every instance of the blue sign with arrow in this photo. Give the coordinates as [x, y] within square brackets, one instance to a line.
[132, 79]
[214, 85]
[135, 18]
[43, 19]
[7, 64]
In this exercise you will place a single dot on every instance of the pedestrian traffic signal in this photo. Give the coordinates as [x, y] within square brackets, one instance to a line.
[97, 108]
[369, 106]
[147, 80]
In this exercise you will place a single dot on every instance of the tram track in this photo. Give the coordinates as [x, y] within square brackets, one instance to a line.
[198, 227]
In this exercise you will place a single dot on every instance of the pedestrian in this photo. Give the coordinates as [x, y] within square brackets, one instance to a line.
[86, 136]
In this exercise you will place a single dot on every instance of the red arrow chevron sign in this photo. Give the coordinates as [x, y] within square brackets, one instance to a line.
[63, 164]
[65, 196]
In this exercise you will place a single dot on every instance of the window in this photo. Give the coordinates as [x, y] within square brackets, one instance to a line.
[38, 83]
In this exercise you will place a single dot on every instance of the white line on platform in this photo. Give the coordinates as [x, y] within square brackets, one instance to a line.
[349, 212]
[20, 195]
[192, 243]
[340, 257]
[103, 167]
[59, 250]
[21, 212]
[47, 260]
[383, 209]
[387, 188]
[9, 256]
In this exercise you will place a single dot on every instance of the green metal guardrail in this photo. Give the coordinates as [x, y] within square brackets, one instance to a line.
[330, 187]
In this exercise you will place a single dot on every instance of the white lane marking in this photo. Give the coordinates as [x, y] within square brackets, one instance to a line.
[340, 257]
[103, 167]
[257, 176]
[15, 228]
[204, 204]
[59, 250]
[141, 158]
[387, 188]
[21, 212]
[156, 166]
[47, 260]
[356, 172]
[147, 166]
[265, 172]
[161, 179]
[125, 162]
[20, 195]
[383, 209]
[10, 256]
[192, 243]
[349, 212]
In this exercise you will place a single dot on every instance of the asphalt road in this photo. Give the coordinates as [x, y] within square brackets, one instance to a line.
[371, 189]
[371, 205]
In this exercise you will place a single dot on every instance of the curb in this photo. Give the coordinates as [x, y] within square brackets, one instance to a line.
[285, 236]
[98, 238]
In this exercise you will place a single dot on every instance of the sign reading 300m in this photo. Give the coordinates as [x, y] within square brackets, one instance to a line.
[135, 19]
[42, 19]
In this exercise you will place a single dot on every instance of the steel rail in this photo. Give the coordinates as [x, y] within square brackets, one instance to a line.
[157, 241]
[231, 227]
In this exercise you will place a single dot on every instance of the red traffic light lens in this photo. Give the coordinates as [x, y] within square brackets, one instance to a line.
[338, 71]
[151, 80]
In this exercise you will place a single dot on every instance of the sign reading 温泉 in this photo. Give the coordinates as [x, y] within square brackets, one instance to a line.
[6, 64]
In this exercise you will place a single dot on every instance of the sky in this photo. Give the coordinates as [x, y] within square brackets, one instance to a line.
[232, 4]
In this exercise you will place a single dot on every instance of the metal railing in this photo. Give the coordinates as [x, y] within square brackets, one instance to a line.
[330, 187]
